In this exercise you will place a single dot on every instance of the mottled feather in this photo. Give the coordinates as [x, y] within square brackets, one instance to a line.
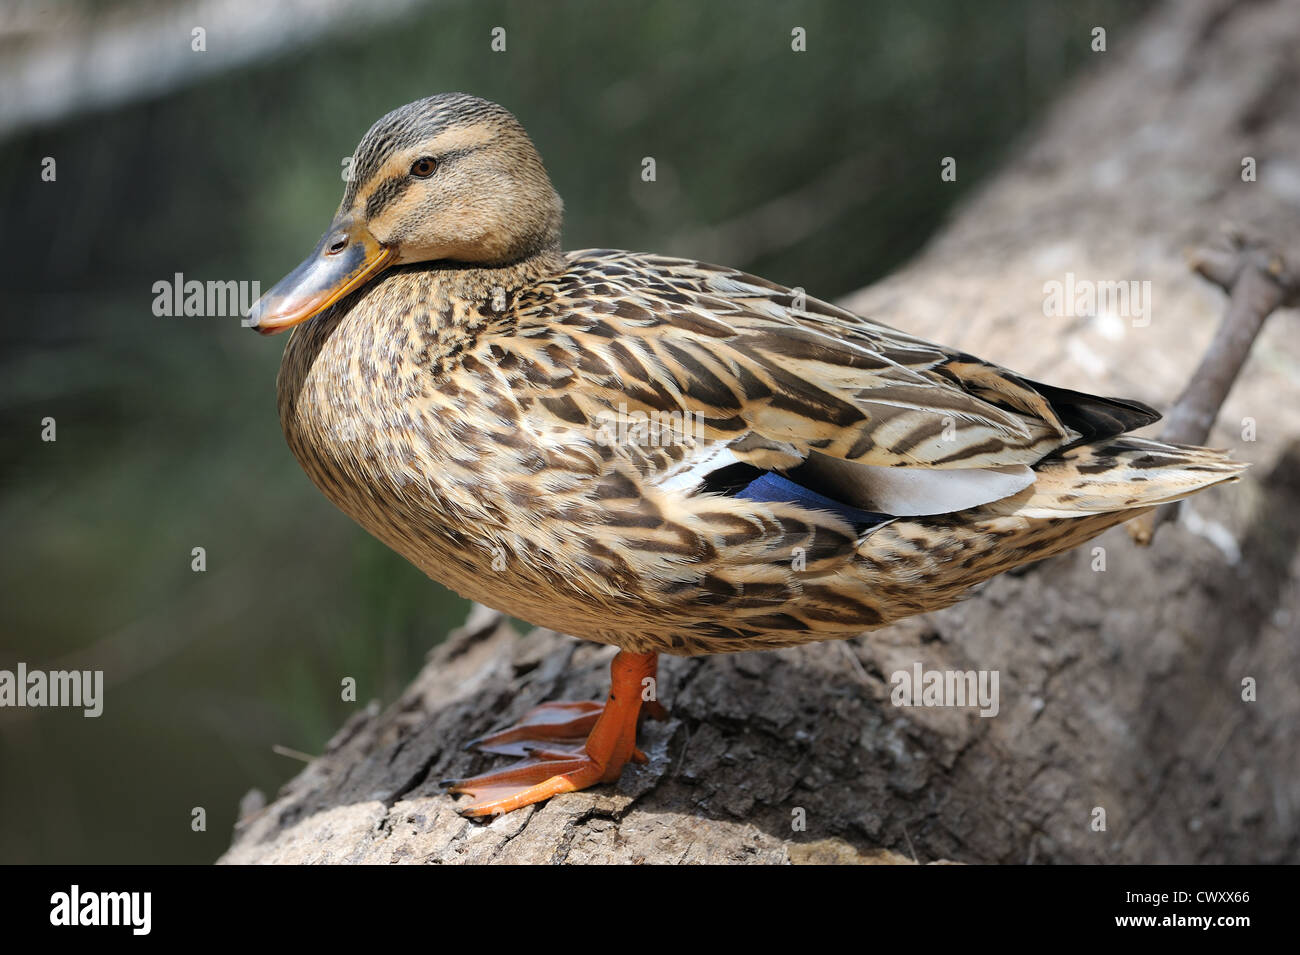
[490, 422]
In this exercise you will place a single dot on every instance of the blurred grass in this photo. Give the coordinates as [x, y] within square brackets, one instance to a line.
[167, 430]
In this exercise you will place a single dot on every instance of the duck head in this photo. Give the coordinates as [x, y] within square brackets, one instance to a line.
[451, 178]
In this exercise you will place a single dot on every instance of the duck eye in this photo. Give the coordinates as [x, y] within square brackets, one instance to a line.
[423, 168]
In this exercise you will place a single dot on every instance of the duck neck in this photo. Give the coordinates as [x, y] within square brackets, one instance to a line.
[373, 392]
[419, 318]
[489, 287]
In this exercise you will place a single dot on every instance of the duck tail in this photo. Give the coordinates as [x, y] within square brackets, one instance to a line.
[1119, 474]
[1077, 494]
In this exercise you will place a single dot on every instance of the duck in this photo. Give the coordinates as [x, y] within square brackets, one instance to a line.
[655, 453]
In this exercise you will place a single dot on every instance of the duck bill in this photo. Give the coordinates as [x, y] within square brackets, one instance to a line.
[346, 258]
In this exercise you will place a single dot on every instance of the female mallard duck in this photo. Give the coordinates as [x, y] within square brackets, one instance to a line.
[651, 452]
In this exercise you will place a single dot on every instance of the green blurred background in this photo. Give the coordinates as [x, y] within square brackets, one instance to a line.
[818, 169]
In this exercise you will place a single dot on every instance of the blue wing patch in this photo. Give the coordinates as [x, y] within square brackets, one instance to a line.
[772, 488]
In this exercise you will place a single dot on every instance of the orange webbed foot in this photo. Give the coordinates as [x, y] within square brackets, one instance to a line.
[566, 746]
[545, 724]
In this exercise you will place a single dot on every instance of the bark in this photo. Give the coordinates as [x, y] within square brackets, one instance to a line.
[1121, 689]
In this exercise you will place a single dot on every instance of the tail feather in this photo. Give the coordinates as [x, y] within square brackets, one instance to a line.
[924, 563]
[1120, 474]
[1093, 417]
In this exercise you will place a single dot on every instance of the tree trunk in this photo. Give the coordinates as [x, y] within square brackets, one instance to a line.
[1120, 669]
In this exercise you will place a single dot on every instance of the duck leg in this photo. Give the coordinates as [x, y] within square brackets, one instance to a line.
[566, 746]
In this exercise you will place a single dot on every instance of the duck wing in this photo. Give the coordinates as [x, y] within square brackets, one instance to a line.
[767, 378]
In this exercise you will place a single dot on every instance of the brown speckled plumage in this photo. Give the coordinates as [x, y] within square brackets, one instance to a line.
[455, 410]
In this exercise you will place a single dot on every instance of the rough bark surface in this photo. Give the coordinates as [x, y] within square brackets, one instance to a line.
[1121, 689]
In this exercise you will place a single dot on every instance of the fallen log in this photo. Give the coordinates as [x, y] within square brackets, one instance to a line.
[1148, 698]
